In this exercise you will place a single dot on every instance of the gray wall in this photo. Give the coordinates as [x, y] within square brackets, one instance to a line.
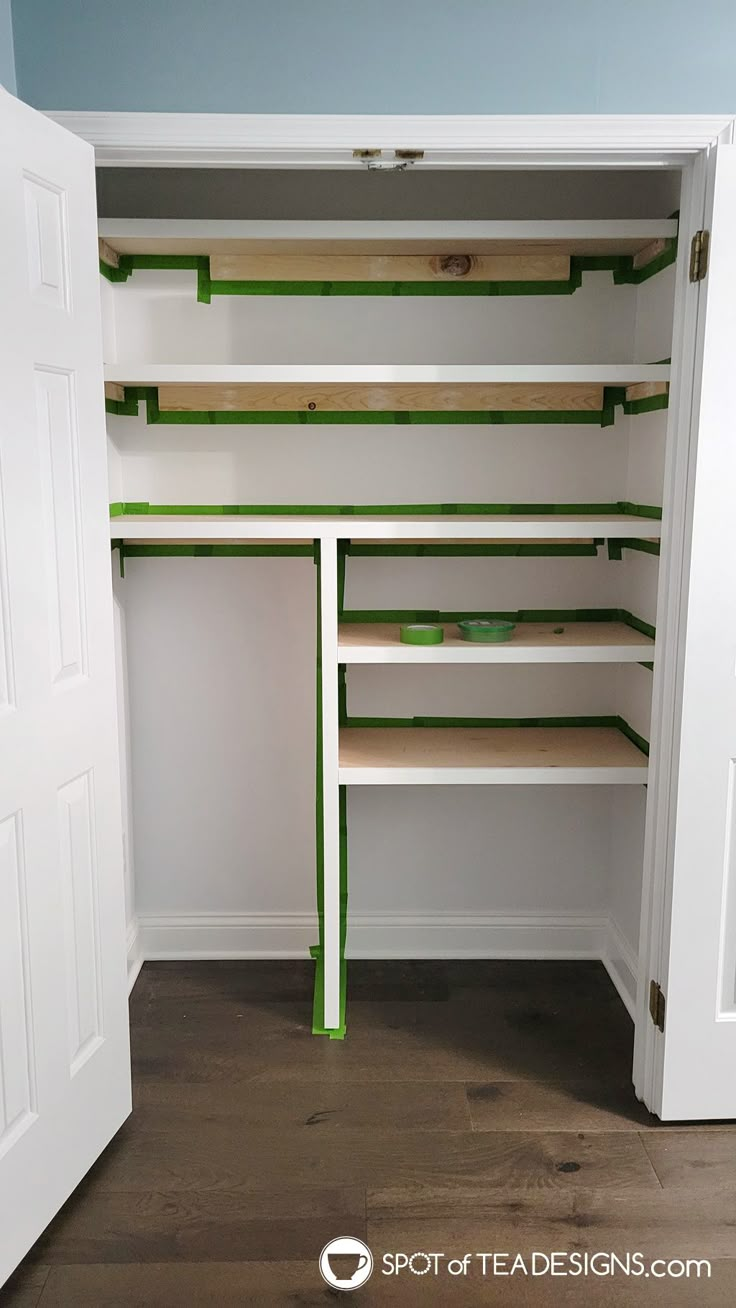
[378, 56]
[7, 60]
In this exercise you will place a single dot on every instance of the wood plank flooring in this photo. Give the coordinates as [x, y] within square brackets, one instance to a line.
[473, 1107]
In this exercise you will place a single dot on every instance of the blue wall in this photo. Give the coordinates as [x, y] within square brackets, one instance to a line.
[378, 56]
[7, 62]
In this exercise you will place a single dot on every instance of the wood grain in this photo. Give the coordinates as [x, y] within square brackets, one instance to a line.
[338, 267]
[491, 747]
[107, 254]
[577, 397]
[417, 1106]
[429, 247]
[646, 390]
[694, 1160]
[649, 252]
[114, 391]
[556, 1106]
[252, 1143]
[546, 634]
[659, 1225]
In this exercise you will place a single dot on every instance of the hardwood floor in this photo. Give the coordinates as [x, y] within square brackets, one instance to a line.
[473, 1107]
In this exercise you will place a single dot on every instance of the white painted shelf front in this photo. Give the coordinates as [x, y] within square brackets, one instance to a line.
[532, 642]
[512, 756]
[204, 236]
[137, 373]
[234, 527]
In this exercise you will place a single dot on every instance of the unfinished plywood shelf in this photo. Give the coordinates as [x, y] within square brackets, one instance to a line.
[403, 258]
[355, 390]
[212, 236]
[410, 756]
[532, 642]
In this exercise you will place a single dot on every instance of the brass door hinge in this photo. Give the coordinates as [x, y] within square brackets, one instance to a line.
[656, 1004]
[699, 256]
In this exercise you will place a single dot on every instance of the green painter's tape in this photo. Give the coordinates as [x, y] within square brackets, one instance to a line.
[616, 508]
[217, 551]
[402, 290]
[613, 397]
[620, 265]
[616, 545]
[564, 616]
[421, 633]
[507, 550]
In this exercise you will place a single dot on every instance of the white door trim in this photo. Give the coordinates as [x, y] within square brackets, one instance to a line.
[448, 140]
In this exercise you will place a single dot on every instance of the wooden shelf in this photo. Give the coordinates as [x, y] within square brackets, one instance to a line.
[218, 527]
[191, 236]
[374, 756]
[376, 388]
[532, 642]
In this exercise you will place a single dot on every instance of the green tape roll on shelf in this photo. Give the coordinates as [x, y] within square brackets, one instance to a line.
[486, 629]
[422, 633]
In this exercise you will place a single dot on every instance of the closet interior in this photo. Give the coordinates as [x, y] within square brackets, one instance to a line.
[337, 404]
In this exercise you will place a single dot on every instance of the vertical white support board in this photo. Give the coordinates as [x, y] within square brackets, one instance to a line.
[330, 785]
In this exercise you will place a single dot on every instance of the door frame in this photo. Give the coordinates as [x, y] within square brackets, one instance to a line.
[687, 142]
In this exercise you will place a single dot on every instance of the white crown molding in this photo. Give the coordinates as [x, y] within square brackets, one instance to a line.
[449, 141]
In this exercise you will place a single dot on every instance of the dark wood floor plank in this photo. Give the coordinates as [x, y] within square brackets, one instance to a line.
[693, 1160]
[233, 1285]
[556, 1106]
[473, 1103]
[199, 1226]
[290, 980]
[25, 1286]
[216, 1157]
[659, 1225]
[162, 1104]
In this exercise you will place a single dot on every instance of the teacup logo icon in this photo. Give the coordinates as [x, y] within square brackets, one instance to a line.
[346, 1263]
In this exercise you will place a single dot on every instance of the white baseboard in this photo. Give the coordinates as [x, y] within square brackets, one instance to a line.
[135, 953]
[402, 935]
[622, 965]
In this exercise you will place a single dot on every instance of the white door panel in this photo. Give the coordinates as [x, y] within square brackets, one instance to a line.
[64, 1059]
[698, 1057]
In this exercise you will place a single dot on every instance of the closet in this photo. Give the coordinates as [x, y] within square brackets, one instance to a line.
[265, 413]
[320, 429]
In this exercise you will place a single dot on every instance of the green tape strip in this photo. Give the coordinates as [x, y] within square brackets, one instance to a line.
[510, 615]
[616, 507]
[621, 265]
[613, 397]
[318, 1020]
[217, 551]
[617, 544]
[510, 550]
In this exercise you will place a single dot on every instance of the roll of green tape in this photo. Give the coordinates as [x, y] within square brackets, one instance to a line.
[486, 630]
[422, 633]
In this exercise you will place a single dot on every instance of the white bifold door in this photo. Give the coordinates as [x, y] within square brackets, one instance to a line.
[64, 1057]
[695, 1074]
